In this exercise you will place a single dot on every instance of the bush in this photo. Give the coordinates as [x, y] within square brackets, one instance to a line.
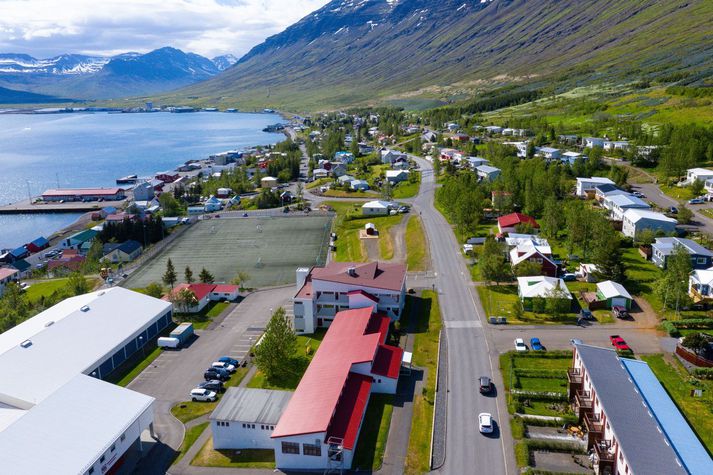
[517, 427]
[694, 323]
[522, 454]
[540, 373]
[703, 373]
[555, 446]
[543, 354]
[670, 328]
[559, 422]
[539, 396]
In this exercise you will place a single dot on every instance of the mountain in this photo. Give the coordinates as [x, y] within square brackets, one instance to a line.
[10, 96]
[91, 77]
[366, 51]
[225, 61]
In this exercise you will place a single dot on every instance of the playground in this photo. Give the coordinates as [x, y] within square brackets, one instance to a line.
[268, 249]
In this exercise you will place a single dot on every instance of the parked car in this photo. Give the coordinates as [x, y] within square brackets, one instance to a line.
[569, 277]
[619, 343]
[638, 194]
[586, 314]
[215, 385]
[620, 312]
[223, 365]
[404, 209]
[486, 385]
[576, 341]
[696, 201]
[229, 360]
[245, 215]
[216, 373]
[200, 394]
[536, 345]
[520, 345]
[673, 210]
[485, 423]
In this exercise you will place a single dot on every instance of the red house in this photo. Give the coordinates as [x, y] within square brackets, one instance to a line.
[167, 177]
[508, 223]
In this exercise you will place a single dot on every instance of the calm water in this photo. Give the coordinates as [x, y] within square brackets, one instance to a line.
[94, 149]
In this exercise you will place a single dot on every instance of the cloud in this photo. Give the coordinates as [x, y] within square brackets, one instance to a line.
[46, 28]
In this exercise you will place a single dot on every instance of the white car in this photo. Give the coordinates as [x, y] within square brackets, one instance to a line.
[485, 423]
[520, 345]
[223, 365]
[200, 394]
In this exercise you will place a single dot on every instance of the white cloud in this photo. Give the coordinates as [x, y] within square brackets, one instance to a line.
[45, 28]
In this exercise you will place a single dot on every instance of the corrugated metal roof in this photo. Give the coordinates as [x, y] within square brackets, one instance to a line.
[262, 406]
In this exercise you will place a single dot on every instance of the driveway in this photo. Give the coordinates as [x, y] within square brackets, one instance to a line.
[173, 374]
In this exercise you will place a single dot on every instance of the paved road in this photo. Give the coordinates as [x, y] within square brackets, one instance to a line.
[467, 451]
[656, 196]
[173, 374]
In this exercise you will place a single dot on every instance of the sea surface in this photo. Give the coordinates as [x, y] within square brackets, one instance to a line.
[73, 150]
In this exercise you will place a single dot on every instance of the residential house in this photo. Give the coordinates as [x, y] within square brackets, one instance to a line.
[509, 222]
[24, 268]
[586, 186]
[541, 287]
[631, 424]
[448, 154]
[359, 185]
[319, 173]
[38, 244]
[19, 253]
[75, 241]
[321, 292]
[617, 205]
[319, 429]
[365, 148]
[204, 293]
[344, 157]
[528, 241]
[493, 129]
[591, 142]
[143, 192]
[268, 182]
[475, 162]
[571, 157]
[338, 169]
[70, 261]
[127, 251]
[213, 204]
[700, 174]
[605, 189]
[401, 163]
[529, 252]
[700, 284]
[701, 258]
[568, 139]
[7, 275]
[167, 177]
[376, 208]
[396, 176]
[636, 220]
[548, 153]
[588, 272]
[429, 136]
[614, 294]
[390, 156]
[610, 145]
[452, 126]
[487, 173]
[345, 179]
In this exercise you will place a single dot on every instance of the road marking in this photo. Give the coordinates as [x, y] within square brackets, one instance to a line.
[463, 324]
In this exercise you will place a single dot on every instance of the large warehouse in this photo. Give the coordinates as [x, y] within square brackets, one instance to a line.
[56, 415]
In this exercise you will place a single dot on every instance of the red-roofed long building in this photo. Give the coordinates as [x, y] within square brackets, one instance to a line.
[324, 291]
[320, 426]
[205, 293]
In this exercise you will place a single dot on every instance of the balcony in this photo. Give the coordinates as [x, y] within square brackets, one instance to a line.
[332, 299]
[583, 403]
[595, 429]
[575, 380]
[605, 456]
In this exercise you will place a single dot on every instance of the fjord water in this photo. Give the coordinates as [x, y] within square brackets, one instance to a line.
[40, 151]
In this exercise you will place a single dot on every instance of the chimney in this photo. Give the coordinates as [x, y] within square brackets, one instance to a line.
[351, 271]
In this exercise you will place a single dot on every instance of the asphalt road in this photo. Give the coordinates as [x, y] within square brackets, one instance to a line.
[470, 356]
[656, 196]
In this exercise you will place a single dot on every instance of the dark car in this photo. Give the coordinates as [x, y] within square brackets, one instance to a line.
[673, 210]
[536, 345]
[620, 312]
[569, 277]
[229, 360]
[486, 385]
[212, 385]
[586, 314]
[216, 373]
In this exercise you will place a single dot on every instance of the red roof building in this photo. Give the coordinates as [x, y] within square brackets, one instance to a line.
[328, 405]
[205, 293]
[84, 194]
[508, 223]
[324, 291]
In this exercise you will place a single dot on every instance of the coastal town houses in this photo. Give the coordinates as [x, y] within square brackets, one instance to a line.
[635, 221]
[536, 255]
[697, 174]
[377, 208]
[585, 186]
[632, 426]
[700, 284]
[7, 275]
[510, 222]
[204, 294]
[617, 204]
[663, 247]
[321, 292]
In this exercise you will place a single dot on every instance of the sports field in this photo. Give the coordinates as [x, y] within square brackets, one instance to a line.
[269, 249]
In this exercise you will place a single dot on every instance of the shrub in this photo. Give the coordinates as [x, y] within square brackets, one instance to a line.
[517, 427]
[558, 422]
[694, 323]
[670, 328]
[703, 373]
[540, 373]
[522, 454]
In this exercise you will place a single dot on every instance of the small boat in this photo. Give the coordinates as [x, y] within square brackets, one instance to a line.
[127, 180]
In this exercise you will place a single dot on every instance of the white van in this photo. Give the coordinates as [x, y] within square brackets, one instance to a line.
[168, 342]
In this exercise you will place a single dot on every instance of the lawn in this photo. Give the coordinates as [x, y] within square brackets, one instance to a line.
[678, 384]
[407, 189]
[641, 276]
[350, 194]
[45, 288]
[375, 430]
[499, 301]
[305, 349]
[682, 193]
[602, 315]
[189, 410]
[426, 315]
[247, 458]
[189, 438]
[320, 182]
[416, 246]
[203, 318]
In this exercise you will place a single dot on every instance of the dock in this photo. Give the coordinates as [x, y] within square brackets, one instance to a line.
[27, 207]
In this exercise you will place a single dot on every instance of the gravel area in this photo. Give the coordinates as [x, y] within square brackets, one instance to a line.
[440, 410]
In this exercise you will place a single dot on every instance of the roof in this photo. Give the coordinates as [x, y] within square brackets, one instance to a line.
[666, 246]
[81, 191]
[86, 235]
[19, 252]
[379, 275]
[201, 291]
[635, 215]
[376, 204]
[700, 171]
[329, 396]
[388, 361]
[594, 179]
[540, 286]
[263, 406]
[226, 288]
[513, 219]
[127, 247]
[548, 149]
[395, 173]
[630, 419]
[21, 265]
[487, 169]
[6, 272]
[529, 251]
[74, 425]
[626, 200]
[40, 241]
[610, 289]
[608, 188]
[690, 451]
[703, 276]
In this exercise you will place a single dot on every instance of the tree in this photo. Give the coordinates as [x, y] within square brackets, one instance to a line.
[387, 191]
[607, 255]
[169, 277]
[77, 284]
[241, 278]
[205, 276]
[528, 268]
[299, 193]
[154, 289]
[169, 205]
[672, 286]
[552, 218]
[697, 187]
[188, 275]
[492, 263]
[277, 346]
[185, 299]
[436, 167]
[646, 236]
[684, 215]
[556, 302]
[696, 342]
[14, 307]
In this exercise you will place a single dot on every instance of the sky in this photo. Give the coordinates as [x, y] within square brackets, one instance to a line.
[45, 28]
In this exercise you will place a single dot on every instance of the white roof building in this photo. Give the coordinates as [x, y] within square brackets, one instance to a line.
[617, 204]
[585, 185]
[541, 286]
[610, 289]
[702, 174]
[636, 220]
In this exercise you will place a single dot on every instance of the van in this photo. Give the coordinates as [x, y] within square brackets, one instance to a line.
[168, 342]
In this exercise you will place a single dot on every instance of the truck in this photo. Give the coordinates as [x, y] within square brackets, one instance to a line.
[182, 332]
[168, 342]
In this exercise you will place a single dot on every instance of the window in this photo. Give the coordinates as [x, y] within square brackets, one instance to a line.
[253, 426]
[262, 427]
[91, 470]
[123, 436]
[309, 449]
[101, 459]
[244, 426]
[226, 424]
[290, 448]
[701, 260]
[113, 448]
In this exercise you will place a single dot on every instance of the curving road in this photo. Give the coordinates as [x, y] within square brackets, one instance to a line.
[469, 354]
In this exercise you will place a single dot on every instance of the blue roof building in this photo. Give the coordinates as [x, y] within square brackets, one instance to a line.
[701, 258]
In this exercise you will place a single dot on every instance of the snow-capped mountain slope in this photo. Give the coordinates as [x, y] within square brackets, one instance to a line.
[225, 61]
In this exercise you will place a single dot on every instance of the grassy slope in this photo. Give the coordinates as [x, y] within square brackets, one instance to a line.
[416, 245]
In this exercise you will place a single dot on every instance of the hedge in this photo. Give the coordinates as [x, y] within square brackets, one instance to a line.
[517, 427]
[694, 323]
[542, 354]
[559, 422]
[670, 328]
[540, 373]
[539, 396]
[555, 446]
[703, 373]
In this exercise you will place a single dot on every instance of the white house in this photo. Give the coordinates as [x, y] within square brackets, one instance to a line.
[246, 417]
[617, 204]
[205, 293]
[396, 176]
[610, 145]
[319, 429]
[321, 292]
[591, 142]
[475, 162]
[344, 179]
[614, 293]
[588, 272]
[493, 129]
[376, 208]
[212, 204]
[586, 185]
[7, 275]
[548, 153]
[636, 220]
[318, 173]
[700, 284]
[702, 174]
[268, 182]
[571, 157]
[488, 173]
[389, 156]
[359, 185]
[541, 286]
